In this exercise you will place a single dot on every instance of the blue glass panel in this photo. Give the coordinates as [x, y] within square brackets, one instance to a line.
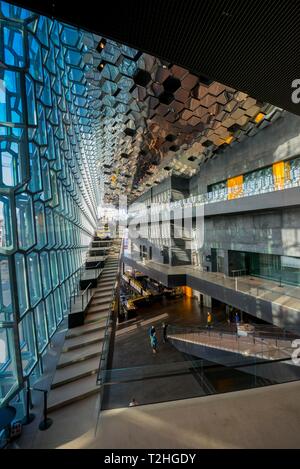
[42, 131]
[14, 51]
[54, 269]
[11, 107]
[128, 67]
[25, 223]
[57, 230]
[6, 241]
[50, 315]
[46, 195]
[8, 365]
[21, 283]
[43, 30]
[31, 106]
[5, 291]
[35, 184]
[10, 172]
[35, 58]
[46, 273]
[34, 278]
[12, 11]
[46, 96]
[27, 343]
[70, 36]
[40, 225]
[41, 326]
[58, 308]
[50, 228]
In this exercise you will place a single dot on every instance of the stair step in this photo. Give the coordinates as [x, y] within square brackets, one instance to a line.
[104, 294]
[94, 317]
[97, 308]
[80, 354]
[86, 329]
[73, 372]
[72, 392]
[104, 288]
[83, 341]
[101, 301]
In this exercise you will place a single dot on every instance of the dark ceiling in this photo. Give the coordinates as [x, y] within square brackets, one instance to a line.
[251, 45]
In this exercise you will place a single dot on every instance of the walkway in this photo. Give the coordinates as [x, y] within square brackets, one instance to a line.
[275, 303]
[168, 375]
[263, 348]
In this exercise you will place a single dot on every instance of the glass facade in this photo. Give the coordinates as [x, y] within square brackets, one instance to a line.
[280, 175]
[48, 183]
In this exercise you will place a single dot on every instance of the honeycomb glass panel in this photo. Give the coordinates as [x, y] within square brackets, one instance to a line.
[6, 242]
[5, 291]
[54, 269]
[34, 278]
[27, 343]
[14, 50]
[49, 186]
[58, 306]
[50, 315]
[46, 273]
[23, 299]
[35, 183]
[8, 367]
[41, 326]
[25, 224]
[31, 104]
[40, 225]
[12, 172]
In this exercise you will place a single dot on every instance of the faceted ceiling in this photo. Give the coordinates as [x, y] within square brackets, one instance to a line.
[157, 119]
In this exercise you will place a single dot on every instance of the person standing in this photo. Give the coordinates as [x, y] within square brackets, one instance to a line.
[154, 342]
[237, 318]
[209, 319]
[164, 330]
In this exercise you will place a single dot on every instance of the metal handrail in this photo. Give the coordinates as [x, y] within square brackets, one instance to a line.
[107, 331]
[267, 346]
[83, 293]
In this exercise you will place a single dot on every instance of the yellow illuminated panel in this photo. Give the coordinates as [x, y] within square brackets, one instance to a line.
[229, 139]
[235, 187]
[279, 175]
[259, 117]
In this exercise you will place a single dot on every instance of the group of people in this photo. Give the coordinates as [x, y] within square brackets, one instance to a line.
[209, 319]
[154, 339]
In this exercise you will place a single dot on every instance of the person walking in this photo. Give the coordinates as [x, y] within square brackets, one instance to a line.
[164, 331]
[154, 343]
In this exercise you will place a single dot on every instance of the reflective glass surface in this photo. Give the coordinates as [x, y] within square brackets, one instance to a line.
[48, 186]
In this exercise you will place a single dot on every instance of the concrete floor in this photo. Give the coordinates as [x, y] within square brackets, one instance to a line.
[266, 417]
[154, 378]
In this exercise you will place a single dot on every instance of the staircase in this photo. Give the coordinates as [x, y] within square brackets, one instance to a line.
[75, 376]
